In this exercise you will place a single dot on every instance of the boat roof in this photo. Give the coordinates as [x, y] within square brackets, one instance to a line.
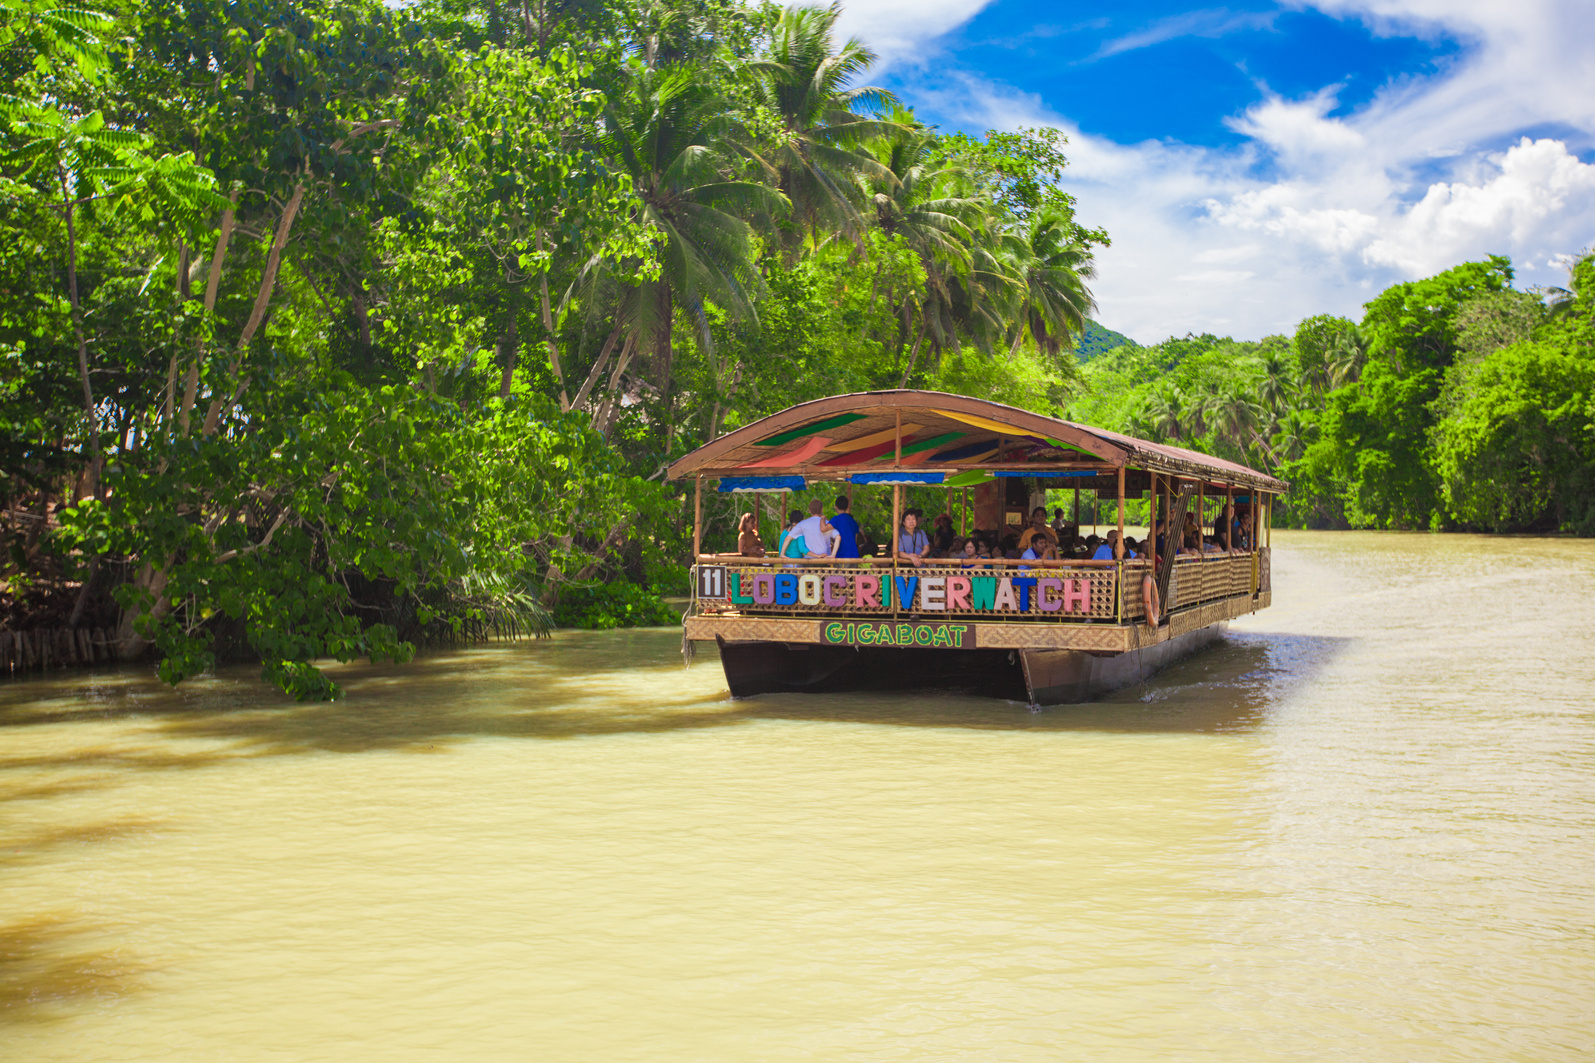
[855, 437]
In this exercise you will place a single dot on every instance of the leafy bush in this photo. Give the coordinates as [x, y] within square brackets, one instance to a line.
[612, 605]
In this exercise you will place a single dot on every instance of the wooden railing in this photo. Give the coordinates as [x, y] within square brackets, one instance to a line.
[1043, 591]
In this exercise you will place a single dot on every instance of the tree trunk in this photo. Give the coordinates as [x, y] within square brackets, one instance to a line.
[130, 645]
[598, 366]
[213, 282]
[663, 353]
[913, 356]
[257, 313]
[548, 332]
[509, 347]
[83, 344]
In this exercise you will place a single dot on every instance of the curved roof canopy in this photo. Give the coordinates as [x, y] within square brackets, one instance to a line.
[944, 439]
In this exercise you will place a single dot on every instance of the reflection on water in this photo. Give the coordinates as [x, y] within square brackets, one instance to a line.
[1356, 829]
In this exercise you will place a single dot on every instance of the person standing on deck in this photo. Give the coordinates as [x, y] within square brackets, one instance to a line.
[817, 532]
[912, 544]
[748, 542]
[846, 527]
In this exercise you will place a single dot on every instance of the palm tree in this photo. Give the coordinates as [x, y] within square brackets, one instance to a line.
[1163, 413]
[819, 152]
[662, 127]
[1237, 419]
[1344, 361]
[1056, 300]
[1275, 389]
[1294, 435]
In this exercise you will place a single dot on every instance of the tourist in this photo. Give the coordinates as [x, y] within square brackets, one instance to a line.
[748, 542]
[846, 527]
[1040, 549]
[1063, 529]
[819, 538]
[1038, 527]
[969, 556]
[792, 544]
[912, 543]
[941, 540]
[1111, 549]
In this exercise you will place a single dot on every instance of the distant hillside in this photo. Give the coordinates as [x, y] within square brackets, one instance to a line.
[1098, 340]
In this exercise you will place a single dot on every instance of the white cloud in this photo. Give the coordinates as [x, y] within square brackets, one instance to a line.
[1209, 23]
[1540, 189]
[898, 29]
[1316, 213]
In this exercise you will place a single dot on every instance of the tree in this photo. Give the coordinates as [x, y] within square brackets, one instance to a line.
[818, 152]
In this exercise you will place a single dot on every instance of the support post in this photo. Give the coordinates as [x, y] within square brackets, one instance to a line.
[1077, 511]
[1121, 511]
[758, 515]
[1229, 521]
[1151, 519]
[897, 525]
[1201, 516]
[963, 517]
[898, 437]
[1270, 521]
[697, 519]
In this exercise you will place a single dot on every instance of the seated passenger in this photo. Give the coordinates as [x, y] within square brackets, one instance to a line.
[1038, 526]
[748, 542]
[1111, 549]
[969, 556]
[1040, 549]
[1063, 530]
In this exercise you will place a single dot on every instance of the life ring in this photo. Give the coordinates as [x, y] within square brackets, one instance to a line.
[1149, 596]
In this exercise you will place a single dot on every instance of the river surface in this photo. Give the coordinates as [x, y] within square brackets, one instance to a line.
[1358, 829]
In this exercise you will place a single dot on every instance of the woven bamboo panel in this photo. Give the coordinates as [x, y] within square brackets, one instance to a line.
[1265, 580]
[1101, 638]
[748, 629]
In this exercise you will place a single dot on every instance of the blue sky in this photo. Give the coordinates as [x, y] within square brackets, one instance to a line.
[1258, 162]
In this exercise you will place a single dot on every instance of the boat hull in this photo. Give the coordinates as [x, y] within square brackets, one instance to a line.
[1036, 676]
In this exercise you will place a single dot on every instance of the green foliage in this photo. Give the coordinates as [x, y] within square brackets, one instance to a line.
[1096, 340]
[1520, 442]
[613, 605]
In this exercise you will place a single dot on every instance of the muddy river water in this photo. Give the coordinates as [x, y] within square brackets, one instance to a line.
[1362, 828]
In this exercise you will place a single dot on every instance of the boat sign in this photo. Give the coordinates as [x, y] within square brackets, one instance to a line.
[712, 582]
[871, 633]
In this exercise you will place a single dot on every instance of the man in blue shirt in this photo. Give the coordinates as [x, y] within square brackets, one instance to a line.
[846, 527]
[1109, 550]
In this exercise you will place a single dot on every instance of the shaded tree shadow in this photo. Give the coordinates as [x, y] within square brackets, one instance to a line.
[597, 684]
[45, 969]
[31, 847]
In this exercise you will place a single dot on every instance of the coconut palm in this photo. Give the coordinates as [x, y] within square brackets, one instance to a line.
[1056, 300]
[1275, 389]
[819, 153]
[661, 127]
[1344, 361]
[1162, 413]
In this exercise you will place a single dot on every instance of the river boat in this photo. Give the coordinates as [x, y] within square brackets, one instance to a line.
[1041, 631]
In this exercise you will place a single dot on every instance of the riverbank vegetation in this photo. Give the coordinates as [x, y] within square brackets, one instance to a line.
[1455, 403]
[331, 329]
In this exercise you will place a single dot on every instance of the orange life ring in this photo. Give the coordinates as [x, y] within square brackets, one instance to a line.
[1149, 596]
